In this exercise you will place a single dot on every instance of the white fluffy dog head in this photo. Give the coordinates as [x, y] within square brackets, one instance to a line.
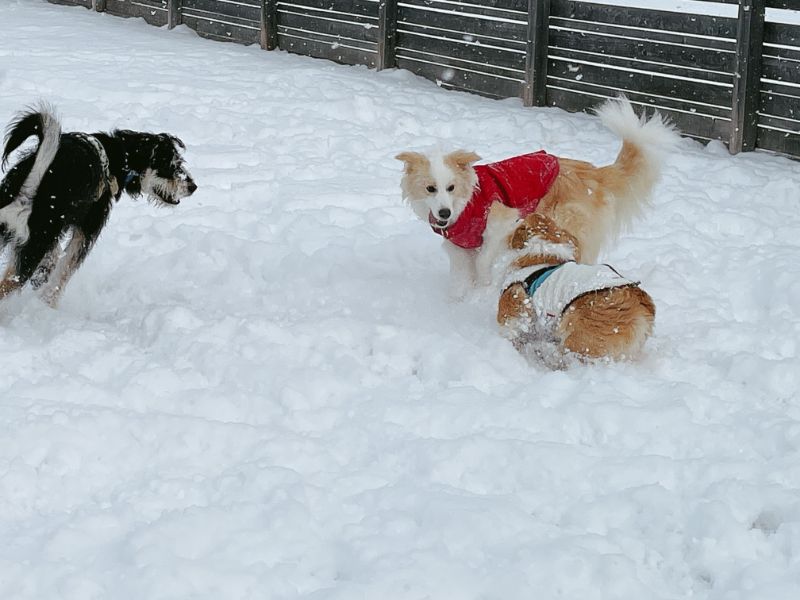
[438, 186]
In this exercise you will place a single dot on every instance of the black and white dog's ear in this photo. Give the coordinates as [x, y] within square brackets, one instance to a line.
[175, 140]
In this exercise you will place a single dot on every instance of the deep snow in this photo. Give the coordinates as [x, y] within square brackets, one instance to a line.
[265, 393]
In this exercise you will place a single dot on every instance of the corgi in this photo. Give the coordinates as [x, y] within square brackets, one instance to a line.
[552, 307]
[453, 195]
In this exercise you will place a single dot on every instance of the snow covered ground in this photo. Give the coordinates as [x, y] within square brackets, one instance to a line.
[265, 393]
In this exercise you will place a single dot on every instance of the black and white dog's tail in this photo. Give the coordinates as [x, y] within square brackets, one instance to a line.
[44, 125]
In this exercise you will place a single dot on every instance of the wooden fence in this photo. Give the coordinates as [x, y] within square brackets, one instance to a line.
[731, 78]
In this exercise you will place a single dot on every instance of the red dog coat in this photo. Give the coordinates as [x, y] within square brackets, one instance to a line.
[518, 182]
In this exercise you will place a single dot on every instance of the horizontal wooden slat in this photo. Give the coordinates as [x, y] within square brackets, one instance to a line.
[781, 105]
[785, 4]
[510, 5]
[367, 8]
[482, 10]
[697, 91]
[465, 65]
[84, 3]
[250, 11]
[780, 70]
[656, 69]
[222, 27]
[643, 18]
[652, 68]
[779, 88]
[220, 4]
[476, 27]
[778, 141]
[695, 125]
[643, 50]
[484, 40]
[769, 122]
[151, 4]
[203, 15]
[329, 15]
[643, 97]
[225, 32]
[331, 40]
[464, 80]
[331, 50]
[722, 44]
[154, 15]
[462, 50]
[782, 33]
[367, 31]
[781, 52]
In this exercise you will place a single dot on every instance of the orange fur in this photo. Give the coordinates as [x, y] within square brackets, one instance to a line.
[531, 260]
[413, 161]
[583, 197]
[461, 159]
[613, 323]
[512, 305]
[542, 227]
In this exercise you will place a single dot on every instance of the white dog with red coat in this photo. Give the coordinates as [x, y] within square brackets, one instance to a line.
[593, 204]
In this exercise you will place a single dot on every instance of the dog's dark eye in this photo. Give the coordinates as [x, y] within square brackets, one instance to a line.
[451, 187]
[431, 189]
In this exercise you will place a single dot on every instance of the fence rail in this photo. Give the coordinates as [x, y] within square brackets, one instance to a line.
[734, 78]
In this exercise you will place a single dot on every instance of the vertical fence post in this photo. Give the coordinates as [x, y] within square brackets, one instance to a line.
[747, 76]
[387, 34]
[534, 92]
[173, 13]
[99, 5]
[269, 24]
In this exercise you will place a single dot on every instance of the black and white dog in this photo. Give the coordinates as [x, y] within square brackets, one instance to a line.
[65, 188]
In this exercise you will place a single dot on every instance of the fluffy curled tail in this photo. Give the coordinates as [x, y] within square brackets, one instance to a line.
[42, 124]
[638, 166]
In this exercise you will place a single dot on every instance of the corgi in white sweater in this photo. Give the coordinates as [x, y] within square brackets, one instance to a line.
[551, 306]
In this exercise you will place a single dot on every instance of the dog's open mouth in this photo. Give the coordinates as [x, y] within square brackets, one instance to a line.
[437, 223]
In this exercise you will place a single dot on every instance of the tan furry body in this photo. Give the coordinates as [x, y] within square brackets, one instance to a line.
[611, 323]
[594, 203]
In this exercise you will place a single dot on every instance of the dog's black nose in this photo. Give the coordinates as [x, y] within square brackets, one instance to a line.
[191, 187]
[444, 213]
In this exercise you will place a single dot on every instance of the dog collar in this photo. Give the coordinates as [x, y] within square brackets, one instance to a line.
[129, 176]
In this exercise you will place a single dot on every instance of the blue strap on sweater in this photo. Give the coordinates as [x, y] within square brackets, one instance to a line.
[535, 280]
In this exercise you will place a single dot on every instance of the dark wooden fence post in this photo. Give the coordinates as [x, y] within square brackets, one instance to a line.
[173, 13]
[534, 92]
[269, 24]
[100, 5]
[747, 76]
[387, 34]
